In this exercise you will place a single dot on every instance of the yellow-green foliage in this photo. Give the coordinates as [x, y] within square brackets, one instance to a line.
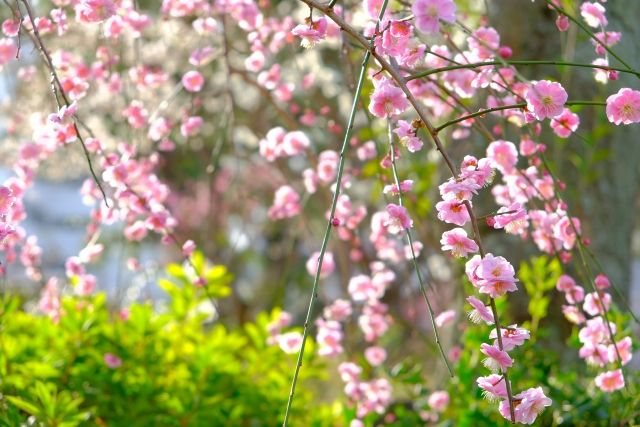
[177, 369]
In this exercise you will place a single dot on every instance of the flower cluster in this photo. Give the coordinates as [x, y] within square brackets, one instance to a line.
[599, 347]
[491, 275]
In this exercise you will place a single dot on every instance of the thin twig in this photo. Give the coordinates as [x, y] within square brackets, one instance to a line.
[58, 90]
[413, 253]
[327, 233]
[474, 65]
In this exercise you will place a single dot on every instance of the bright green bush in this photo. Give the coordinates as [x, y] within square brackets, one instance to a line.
[176, 368]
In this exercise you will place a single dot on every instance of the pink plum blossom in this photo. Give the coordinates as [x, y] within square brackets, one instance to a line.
[459, 189]
[329, 338]
[565, 283]
[112, 361]
[8, 50]
[575, 295]
[7, 200]
[503, 154]
[188, 248]
[445, 317]
[573, 314]
[608, 38]
[407, 135]
[428, 13]
[596, 304]
[362, 288]
[328, 264]
[602, 282]
[595, 354]
[546, 99]
[565, 124]
[374, 320]
[5, 231]
[512, 336]
[492, 275]
[286, 203]
[405, 186]
[86, 284]
[595, 331]
[191, 126]
[93, 11]
[528, 405]
[493, 387]
[11, 27]
[439, 400]
[327, 165]
[349, 372]
[311, 32]
[624, 107]
[512, 221]
[395, 39]
[339, 310]
[50, 302]
[593, 14]
[484, 43]
[527, 146]
[453, 212]
[458, 243]
[375, 355]
[610, 381]
[193, 81]
[387, 100]
[397, 219]
[623, 348]
[295, 143]
[480, 311]
[497, 360]
[290, 342]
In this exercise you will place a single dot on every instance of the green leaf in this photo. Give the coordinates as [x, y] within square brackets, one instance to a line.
[24, 405]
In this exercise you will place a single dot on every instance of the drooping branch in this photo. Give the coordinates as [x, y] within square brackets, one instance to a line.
[59, 92]
[334, 204]
[401, 82]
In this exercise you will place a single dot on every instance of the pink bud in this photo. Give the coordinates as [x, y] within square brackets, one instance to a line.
[188, 248]
[613, 75]
[491, 221]
[562, 22]
[335, 222]
[505, 52]
[602, 281]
